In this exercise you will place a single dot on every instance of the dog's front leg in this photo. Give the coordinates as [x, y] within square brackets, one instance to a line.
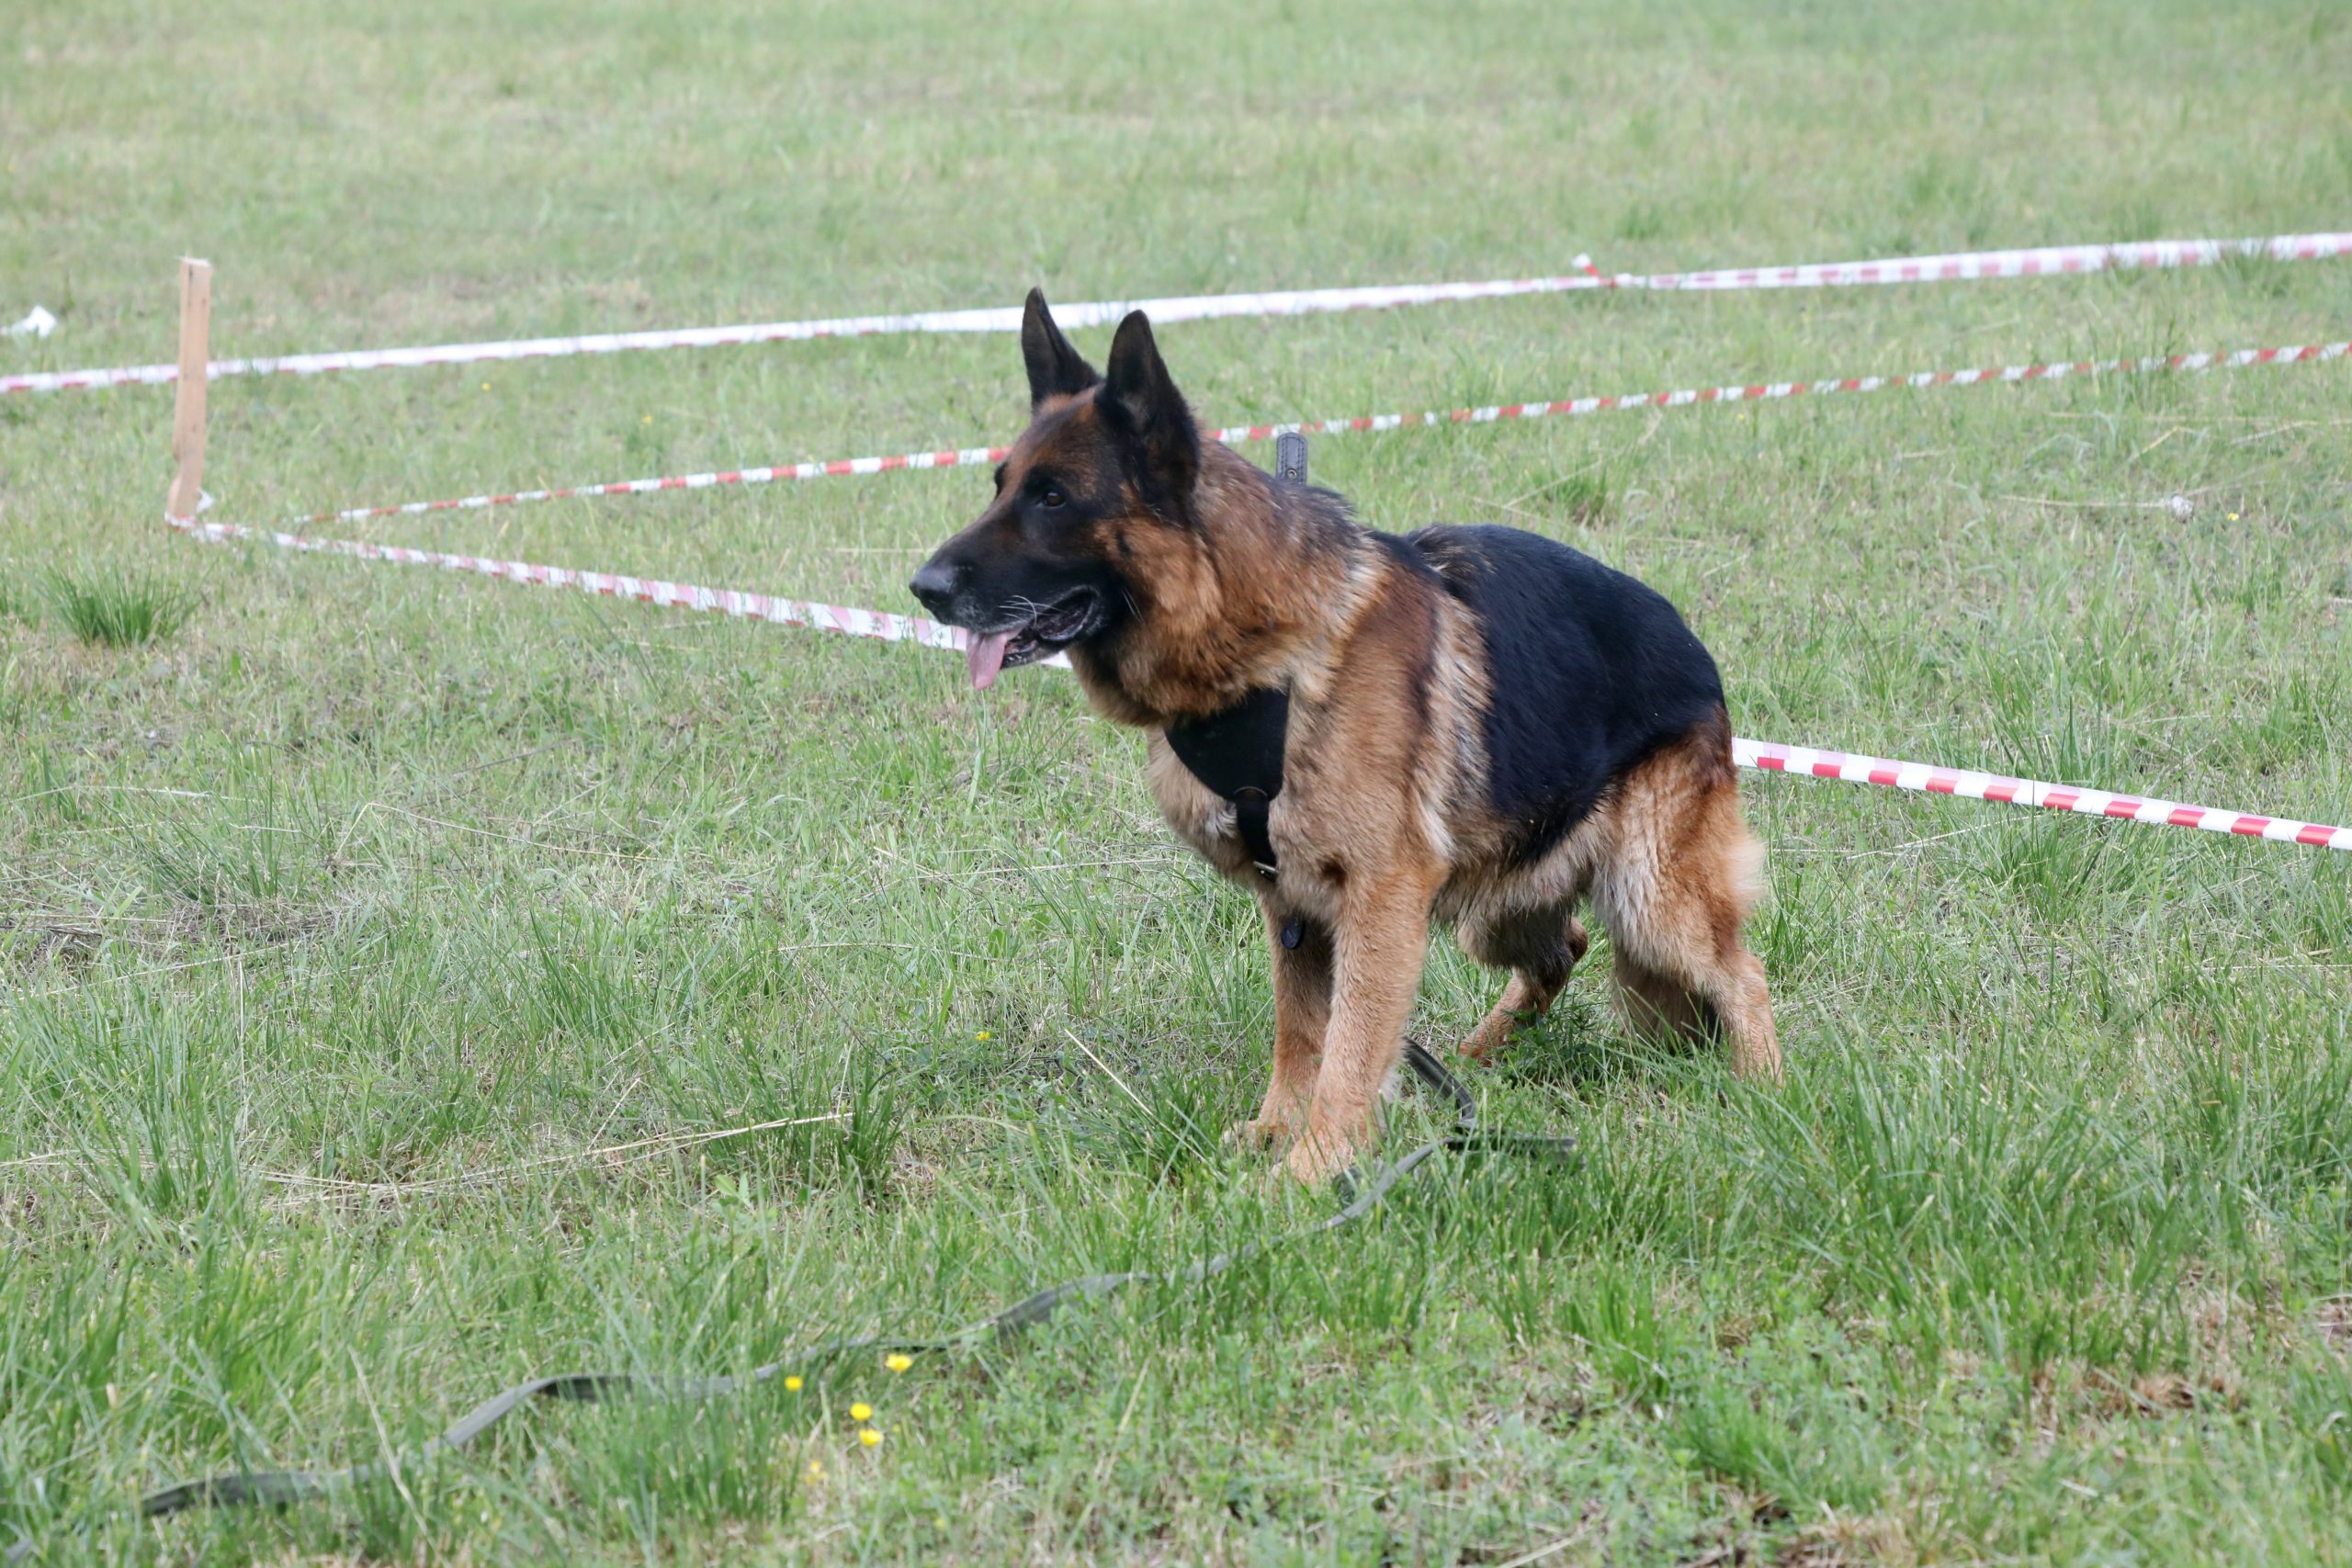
[1378, 947]
[1302, 1013]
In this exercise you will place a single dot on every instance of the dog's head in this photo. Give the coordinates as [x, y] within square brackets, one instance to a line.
[1107, 459]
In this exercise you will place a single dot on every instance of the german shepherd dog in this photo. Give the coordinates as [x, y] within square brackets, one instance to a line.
[1469, 724]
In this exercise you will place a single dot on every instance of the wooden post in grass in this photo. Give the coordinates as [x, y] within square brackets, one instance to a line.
[187, 409]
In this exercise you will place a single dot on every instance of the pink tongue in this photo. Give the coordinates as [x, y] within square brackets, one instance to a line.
[984, 656]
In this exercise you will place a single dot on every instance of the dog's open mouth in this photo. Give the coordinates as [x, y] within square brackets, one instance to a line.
[1050, 628]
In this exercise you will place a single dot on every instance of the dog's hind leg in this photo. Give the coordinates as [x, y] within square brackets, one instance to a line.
[1541, 950]
[1727, 997]
[1674, 893]
[1657, 1006]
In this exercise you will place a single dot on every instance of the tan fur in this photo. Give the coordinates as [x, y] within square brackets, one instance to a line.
[1301, 1016]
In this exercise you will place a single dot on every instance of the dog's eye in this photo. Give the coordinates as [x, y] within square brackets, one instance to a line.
[1050, 497]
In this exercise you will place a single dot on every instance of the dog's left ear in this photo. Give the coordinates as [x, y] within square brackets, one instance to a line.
[1140, 403]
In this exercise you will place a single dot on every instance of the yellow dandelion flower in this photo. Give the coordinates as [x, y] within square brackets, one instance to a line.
[984, 1035]
[792, 1385]
[485, 386]
[868, 1436]
[648, 418]
[861, 1412]
[898, 1363]
[815, 1470]
[2234, 516]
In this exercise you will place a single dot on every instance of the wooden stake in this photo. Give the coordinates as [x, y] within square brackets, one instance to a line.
[187, 409]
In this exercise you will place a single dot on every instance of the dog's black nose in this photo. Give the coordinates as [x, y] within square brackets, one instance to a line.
[936, 585]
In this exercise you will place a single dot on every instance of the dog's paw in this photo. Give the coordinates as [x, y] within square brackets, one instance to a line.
[1259, 1133]
[1315, 1160]
[1497, 1030]
[1481, 1043]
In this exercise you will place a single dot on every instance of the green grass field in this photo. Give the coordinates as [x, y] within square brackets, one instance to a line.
[351, 916]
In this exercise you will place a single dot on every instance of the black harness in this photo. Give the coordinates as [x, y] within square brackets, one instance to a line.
[1237, 754]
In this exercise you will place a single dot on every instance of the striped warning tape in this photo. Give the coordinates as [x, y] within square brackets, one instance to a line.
[2041, 261]
[645, 589]
[991, 319]
[1763, 755]
[1491, 414]
[1768, 757]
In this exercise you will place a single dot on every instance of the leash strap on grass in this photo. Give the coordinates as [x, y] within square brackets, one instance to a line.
[282, 1486]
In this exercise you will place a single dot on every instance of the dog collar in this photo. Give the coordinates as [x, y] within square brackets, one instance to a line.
[1237, 754]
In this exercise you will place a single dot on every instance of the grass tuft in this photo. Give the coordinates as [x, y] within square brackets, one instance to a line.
[118, 607]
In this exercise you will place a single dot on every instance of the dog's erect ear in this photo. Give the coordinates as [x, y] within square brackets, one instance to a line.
[1139, 400]
[1055, 368]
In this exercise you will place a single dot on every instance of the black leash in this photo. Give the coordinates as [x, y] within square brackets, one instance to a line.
[282, 1486]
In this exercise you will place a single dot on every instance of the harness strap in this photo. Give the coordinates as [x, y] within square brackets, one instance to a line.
[1237, 754]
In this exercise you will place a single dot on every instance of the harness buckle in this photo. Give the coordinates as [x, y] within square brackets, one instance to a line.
[1290, 457]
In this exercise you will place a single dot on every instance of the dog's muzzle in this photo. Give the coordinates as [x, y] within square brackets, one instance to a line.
[1006, 636]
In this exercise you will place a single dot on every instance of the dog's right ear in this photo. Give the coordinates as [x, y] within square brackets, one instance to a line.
[1055, 368]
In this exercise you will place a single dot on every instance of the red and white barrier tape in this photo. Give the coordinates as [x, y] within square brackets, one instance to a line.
[991, 319]
[2042, 261]
[1759, 393]
[645, 589]
[1770, 758]
[1969, 265]
[1762, 755]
